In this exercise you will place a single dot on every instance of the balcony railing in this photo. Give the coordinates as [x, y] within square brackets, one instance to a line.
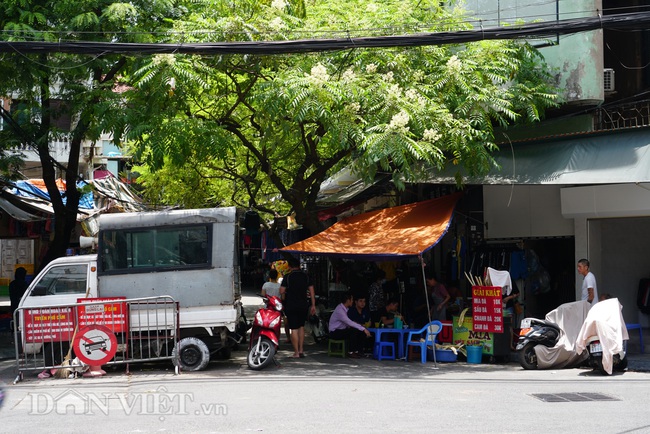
[631, 115]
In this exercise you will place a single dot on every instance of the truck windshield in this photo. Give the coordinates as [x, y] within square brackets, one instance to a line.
[63, 279]
[144, 249]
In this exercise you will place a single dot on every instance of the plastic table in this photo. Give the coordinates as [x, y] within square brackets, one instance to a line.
[402, 333]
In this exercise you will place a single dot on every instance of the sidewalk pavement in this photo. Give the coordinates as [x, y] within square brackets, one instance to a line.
[636, 361]
[318, 354]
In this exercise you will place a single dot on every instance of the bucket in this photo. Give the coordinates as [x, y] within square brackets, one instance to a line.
[474, 353]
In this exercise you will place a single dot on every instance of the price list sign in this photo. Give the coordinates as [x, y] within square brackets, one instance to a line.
[488, 309]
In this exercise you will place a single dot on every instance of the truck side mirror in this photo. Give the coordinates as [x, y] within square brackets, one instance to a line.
[39, 291]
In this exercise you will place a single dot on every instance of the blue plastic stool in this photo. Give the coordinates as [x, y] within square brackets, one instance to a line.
[637, 327]
[380, 352]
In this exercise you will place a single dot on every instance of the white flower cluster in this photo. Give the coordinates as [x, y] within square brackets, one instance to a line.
[277, 24]
[399, 122]
[279, 4]
[319, 72]
[371, 68]
[412, 94]
[353, 107]
[394, 90]
[160, 59]
[454, 63]
[388, 76]
[431, 135]
[418, 75]
[372, 7]
[415, 96]
[348, 75]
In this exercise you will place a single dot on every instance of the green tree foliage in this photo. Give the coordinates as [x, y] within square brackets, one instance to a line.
[268, 126]
[46, 89]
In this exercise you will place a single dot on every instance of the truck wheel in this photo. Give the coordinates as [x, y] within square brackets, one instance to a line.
[527, 356]
[261, 359]
[191, 354]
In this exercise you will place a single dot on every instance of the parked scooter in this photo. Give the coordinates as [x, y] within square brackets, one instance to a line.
[604, 337]
[318, 324]
[265, 334]
[550, 343]
[535, 332]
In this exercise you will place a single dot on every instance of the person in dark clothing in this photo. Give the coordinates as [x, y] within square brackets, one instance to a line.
[359, 313]
[17, 288]
[294, 289]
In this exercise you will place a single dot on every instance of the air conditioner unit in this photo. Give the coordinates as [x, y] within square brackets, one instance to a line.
[608, 80]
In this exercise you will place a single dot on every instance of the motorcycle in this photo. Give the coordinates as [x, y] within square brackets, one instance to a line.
[265, 334]
[604, 337]
[535, 332]
[318, 323]
[550, 343]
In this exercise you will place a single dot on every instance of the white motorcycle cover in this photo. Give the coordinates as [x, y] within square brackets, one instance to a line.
[605, 320]
[569, 316]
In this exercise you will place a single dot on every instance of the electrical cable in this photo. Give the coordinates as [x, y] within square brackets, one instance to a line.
[627, 22]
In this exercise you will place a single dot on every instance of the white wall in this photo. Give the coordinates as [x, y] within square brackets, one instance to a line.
[617, 247]
[524, 211]
[625, 260]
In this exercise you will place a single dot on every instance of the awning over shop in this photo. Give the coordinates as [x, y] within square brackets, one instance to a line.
[386, 234]
[608, 158]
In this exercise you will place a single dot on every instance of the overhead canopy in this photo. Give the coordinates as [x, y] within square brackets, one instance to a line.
[608, 158]
[386, 234]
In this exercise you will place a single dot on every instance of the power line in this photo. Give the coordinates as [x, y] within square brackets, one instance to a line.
[623, 22]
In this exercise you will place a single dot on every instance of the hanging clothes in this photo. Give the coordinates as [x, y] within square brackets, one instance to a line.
[500, 278]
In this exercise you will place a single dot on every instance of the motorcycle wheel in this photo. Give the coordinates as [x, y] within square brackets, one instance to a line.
[527, 356]
[622, 365]
[260, 359]
[598, 364]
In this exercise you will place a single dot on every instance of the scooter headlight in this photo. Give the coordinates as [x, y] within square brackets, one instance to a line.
[274, 322]
[258, 318]
[278, 306]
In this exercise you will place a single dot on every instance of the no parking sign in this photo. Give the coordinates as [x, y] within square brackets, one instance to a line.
[95, 345]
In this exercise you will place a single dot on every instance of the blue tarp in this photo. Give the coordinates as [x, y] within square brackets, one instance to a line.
[29, 190]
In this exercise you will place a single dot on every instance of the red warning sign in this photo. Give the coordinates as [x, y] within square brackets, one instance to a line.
[48, 324]
[112, 313]
[95, 345]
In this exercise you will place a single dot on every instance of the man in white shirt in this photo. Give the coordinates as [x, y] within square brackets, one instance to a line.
[589, 289]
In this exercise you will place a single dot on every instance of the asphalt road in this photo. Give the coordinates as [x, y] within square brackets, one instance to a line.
[321, 393]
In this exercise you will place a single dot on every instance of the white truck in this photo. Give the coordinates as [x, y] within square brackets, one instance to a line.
[189, 255]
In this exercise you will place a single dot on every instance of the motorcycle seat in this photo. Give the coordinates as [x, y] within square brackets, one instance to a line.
[544, 322]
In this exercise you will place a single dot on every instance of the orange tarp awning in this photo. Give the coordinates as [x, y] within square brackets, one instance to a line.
[391, 233]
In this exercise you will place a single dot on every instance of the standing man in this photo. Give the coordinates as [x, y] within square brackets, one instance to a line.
[589, 289]
[293, 290]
